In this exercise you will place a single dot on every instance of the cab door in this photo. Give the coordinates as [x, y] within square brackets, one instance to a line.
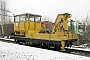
[37, 23]
[22, 22]
[31, 23]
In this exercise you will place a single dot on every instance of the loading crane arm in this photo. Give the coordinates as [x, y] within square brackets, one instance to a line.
[61, 23]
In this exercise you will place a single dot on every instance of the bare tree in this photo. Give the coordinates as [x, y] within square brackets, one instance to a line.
[4, 15]
[86, 37]
[1, 5]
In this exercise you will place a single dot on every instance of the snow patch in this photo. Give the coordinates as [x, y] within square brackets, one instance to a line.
[9, 51]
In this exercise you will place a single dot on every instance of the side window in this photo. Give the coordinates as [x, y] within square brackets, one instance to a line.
[31, 18]
[22, 18]
[37, 19]
[16, 18]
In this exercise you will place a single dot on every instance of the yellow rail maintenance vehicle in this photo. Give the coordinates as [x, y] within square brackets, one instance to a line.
[27, 29]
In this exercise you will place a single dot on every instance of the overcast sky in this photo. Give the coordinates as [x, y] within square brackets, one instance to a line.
[78, 8]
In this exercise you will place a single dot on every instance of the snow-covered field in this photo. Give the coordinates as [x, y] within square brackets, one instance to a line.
[9, 51]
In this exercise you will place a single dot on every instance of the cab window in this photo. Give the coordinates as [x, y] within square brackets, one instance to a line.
[31, 18]
[16, 18]
[37, 18]
[22, 18]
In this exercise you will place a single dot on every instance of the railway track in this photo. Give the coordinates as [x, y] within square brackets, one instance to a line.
[78, 52]
[7, 40]
[69, 51]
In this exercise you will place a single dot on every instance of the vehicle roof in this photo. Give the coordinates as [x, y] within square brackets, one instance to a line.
[29, 14]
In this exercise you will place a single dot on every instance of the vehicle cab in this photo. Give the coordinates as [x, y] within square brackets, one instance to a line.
[24, 23]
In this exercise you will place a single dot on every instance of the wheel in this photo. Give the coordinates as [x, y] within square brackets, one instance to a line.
[57, 47]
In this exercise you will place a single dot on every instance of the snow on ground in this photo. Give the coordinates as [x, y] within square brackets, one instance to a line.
[9, 51]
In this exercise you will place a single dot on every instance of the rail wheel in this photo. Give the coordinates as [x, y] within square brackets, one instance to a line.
[57, 47]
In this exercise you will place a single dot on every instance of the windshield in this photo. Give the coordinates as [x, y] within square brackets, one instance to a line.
[16, 18]
[31, 18]
[37, 19]
[22, 18]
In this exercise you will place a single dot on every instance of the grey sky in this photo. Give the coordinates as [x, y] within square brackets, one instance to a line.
[78, 8]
